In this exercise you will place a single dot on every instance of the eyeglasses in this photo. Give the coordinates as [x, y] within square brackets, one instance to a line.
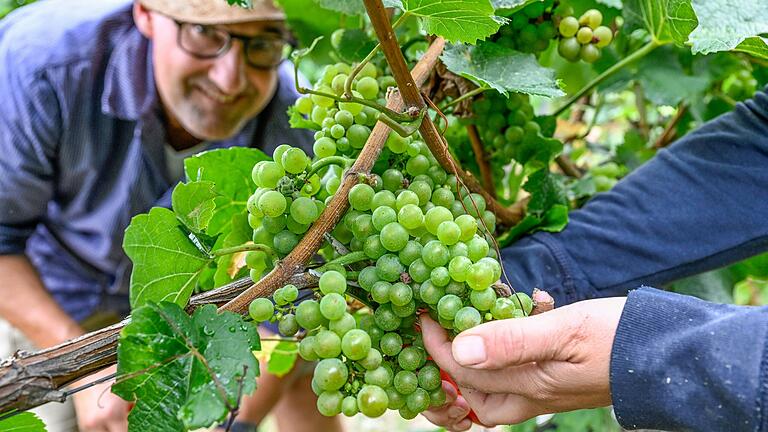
[209, 42]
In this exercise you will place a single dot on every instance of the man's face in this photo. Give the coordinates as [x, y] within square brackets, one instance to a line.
[211, 98]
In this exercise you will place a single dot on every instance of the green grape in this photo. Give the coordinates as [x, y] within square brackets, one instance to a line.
[355, 344]
[417, 165]
[466, 318]
[360, 197]
[363, 227]
[394, 237]
[406, 310]
[604, 36]
[422, 190]
[303, 210]
[338, 82]
[592, 18]
[429, 378]
[400, 294]
[569, 49]
[332, 282]
[290, 293]
[448, 233]
[304, 105]
[372, 401]
[475, 204]
[274, 225]
[479, 277]
[261, 309]
[285, 241]
[368, 87]
[329, 403]
[342, 325]
[493, 266]
[590, 53]
[419, 271]
[523, 302]
[344, 118]
[410, 253]
[435, 217]
[440, 276]
[456, 288]
[410, 216]
[389, 268]
[406, 197]
[380, 291]
[294, 226]
[269, 174]
[503, 308]
[308, 314]
[367, 277]
[584, 35]
[417, 401]
[307, 349]
[317, 116]
[381, 376]
[443, 197]
[405, 382]
[372, 360]
[373, 248]
[357, 135]
[437, 397]
[384, 198]
[327, 344]
[287, 326]
[411, 358]
[349, 406]
[435, 254]
[431, 293]
[483, 300]
[325, 147]
[382, 216]
[396, 400]
[272, 203]
[386, 319]
[391, 344]
[294, 160]
[393, 179]
[448, 306]
[333, 306]
[477, 248]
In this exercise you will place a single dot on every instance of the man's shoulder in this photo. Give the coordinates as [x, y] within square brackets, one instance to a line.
[54, 33]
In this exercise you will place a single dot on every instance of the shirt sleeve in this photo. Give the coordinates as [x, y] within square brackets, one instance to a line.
[680, 363]
[699, 205]
[29, 133]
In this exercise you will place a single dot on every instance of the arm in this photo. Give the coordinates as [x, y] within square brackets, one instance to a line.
[698, 205]
[664, 360]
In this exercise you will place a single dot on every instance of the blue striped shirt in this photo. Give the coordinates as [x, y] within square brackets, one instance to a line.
[82, 144]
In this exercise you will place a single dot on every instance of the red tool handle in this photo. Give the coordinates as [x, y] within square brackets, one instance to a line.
[472, 415]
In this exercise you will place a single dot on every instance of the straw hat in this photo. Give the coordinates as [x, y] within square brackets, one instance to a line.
[215, 11]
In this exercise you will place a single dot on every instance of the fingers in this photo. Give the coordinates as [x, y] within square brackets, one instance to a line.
[453, 414]
[497, 409]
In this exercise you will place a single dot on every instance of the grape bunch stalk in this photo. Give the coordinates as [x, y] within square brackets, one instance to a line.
[418, 242]
[583, 38]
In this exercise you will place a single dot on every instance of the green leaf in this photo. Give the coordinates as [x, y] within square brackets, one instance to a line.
[666, 20]
[166, 263]
[493, 66]
[546, 191]
[194, 204]
[724, 24]
[355, 45]
[241, 233]
[283, 358]
[511, 4]
[230, 171]
[682, 20]
[616, 4]
[756, 46]
[22, 422]
[537, 152]
[346, 7]
[297, 120]
[554, 220]
[654, 72]
[184, 372]
[456, 20]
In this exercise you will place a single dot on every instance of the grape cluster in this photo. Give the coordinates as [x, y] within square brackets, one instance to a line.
[423, 247]
[741, 85]
[504, 123]
[344, 127]
[530, 30]
[583, 38]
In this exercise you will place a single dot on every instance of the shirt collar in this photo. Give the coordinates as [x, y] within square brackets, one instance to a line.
[129, 82]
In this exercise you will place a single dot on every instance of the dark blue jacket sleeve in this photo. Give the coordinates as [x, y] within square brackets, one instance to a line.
[680, 363]
[698, 205]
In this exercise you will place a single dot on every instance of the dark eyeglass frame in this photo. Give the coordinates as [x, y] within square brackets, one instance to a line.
[285, 38]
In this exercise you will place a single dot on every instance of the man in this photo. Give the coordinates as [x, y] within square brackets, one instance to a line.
[102, 101]
[665, 361]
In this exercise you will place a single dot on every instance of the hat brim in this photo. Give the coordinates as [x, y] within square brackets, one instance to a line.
[215, 11]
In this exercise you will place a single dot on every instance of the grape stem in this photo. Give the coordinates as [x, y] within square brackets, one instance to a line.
[353, 74]
[343, 162]
[394, 115]
[350, 258]
[337, 246]
[481, 159]
[637, 55]
[465, 96]
[247, 247]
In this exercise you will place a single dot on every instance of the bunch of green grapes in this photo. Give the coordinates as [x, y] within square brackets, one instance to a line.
[422, 246]
[530, 30]
[741, 85]
[582, 38]
[503, 124]
[344, 127]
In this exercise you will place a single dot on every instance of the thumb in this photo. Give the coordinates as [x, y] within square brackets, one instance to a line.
[510, 342]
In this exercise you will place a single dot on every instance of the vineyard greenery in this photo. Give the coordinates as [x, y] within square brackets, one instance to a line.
[545, 103]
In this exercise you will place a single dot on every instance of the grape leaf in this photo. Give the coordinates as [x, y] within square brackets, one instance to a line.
[283, 358]
[511, 4]
[297, 121]
[724, 24]
[22, 422]
[346, 7]
[654, 71]
[166, 263]
[355, 45]
[666, 20]
[537, 152]
[756, 46]
[230, 172]
[546, 191]
[194, 204]
[184, 372]
[493, 66]
[456, 20]
[554, 220]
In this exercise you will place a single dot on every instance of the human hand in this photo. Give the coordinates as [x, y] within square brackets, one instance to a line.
[509, 371]
[100, 410]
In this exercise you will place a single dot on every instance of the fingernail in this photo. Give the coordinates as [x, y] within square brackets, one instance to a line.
[469, 350]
